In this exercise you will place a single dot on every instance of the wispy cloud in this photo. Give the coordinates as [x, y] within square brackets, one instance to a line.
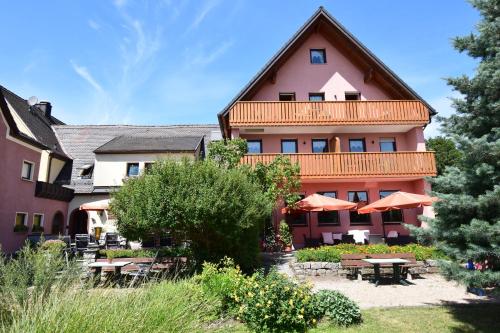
[84, 73]
[203, 57]
[120, 3]
[93, 24]
[202, 13]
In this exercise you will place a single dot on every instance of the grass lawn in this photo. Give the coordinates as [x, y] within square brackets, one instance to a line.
[457, 319]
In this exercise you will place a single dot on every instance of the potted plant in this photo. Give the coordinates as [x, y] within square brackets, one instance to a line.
[285, 236]
[110, 254]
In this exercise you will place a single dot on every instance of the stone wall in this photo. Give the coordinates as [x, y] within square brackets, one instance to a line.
[314, 268]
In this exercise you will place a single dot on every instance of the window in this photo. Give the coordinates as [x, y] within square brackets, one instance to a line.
[318, 56]
[296, 218]
[387, 144]
[316, 97]
[391, 216]
[27, 172]
[352, 96]
[360, 197]
[287, 96]
[21, 222]
[148, 166]
[320, 146]
[86, 171]
[328, 218]
[357, 145]
[289, 146]
[132, 169]
[37, 223]
[254, 146]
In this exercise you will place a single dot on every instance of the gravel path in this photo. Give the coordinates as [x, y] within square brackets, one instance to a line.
[432, 289]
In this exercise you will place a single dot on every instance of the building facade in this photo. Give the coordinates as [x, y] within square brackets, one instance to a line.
[353, 126]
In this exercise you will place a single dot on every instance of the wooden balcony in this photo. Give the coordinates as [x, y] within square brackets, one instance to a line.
[356, 165]
[53, 191]
[328, 113]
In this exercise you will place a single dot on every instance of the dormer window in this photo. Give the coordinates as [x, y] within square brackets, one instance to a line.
[318, 56]
[86, 171]
[287, 97]
[352, 96]
[316, 97]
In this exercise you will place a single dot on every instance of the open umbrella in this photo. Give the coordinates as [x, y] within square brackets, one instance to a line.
[398, 200]
[96, 205]
[319, 203]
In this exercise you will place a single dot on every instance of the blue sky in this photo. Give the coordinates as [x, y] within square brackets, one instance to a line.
[181, 61]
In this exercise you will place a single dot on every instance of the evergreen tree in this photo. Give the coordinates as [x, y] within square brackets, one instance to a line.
[467, 223]
[447, 153]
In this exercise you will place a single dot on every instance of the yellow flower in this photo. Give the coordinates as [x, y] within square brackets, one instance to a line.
[300, 316]
[269, 302]
[257, 305]
[266, 316]
[314, 321]
[290, 302]
[302, 310]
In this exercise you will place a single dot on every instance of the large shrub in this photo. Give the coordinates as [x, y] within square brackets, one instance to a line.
[335, 252]
[220, 211]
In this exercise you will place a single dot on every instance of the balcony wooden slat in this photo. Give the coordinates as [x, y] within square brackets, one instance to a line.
[256, 113]
[352, 165]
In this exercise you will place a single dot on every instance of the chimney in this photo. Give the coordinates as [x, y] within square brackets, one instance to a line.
[46, 108]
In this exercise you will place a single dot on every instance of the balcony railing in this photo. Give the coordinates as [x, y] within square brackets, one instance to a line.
[53, 191]
[326, 113]
[353, 165]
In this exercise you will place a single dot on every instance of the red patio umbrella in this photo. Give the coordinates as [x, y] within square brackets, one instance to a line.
[398, 200]
[319, 203]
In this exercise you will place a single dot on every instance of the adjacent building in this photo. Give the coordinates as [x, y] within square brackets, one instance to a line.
[352, 124]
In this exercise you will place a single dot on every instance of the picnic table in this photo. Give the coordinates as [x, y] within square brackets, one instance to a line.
[396, 267]
[117, 265]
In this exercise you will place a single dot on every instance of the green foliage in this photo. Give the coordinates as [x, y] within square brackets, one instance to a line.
[336, 307]
[143, 253]
[227, 153]
[467, 223]
[335, 252]
[447, 153]
[279, 180]
[272, 303]
[53, 245]
[285, 234]
[220, 211]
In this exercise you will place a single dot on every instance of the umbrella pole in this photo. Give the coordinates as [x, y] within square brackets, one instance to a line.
[310, 228]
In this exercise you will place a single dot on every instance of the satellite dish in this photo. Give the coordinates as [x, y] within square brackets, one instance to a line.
[32, 100]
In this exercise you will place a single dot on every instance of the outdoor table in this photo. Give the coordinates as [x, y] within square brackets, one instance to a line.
[396, 265]
[117, 265]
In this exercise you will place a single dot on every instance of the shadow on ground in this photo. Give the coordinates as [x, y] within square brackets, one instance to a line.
[477, 317]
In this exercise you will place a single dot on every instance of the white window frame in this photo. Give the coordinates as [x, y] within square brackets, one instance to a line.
[25, 222]
[32, 171]
[42, 220]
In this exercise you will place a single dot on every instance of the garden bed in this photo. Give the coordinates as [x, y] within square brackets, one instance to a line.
[333, 254]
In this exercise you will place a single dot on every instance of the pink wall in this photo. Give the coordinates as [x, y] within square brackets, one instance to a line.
[18, 195]
[271, 143]
[334, 78]
[373, 188]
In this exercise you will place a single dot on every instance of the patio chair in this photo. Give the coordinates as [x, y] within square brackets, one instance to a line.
[111, 241]
[144, 272]
[81, 242]
[348, 239]
[327, 238]
[311, 242]
[375, 239]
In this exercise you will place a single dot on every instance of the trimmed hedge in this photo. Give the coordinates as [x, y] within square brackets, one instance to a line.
[143, 253]
[334, 253]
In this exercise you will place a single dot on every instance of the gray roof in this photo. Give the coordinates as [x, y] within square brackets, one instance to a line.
[143, 144]
[80, 142]
[38, 123]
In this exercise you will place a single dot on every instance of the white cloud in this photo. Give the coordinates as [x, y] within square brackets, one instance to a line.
[203, 57]
[85, 74]
[120, 3]
[94, 25]
[202, 13]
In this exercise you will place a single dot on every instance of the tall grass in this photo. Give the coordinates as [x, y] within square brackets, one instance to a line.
[40, 292]
[165, 307]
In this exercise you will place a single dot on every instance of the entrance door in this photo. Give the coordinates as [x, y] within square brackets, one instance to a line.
[58, 224]
[78, 223]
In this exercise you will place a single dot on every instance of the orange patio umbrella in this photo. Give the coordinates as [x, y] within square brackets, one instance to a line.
[96, 205]
[319, 203]
[398, 200]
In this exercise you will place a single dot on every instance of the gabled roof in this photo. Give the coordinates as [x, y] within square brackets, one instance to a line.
[150, 144]
[321, 21]
[37, 122]
[79, 142]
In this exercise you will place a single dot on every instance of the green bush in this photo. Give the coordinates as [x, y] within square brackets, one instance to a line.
[335, 252]
[285, 234]
[53, 245]
[337, 307]
[143, 253]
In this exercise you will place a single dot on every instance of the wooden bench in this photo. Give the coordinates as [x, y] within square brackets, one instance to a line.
[160, 265]
[355, 262]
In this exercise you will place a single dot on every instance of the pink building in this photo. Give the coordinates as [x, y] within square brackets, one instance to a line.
[355, 128]
[31, 202]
